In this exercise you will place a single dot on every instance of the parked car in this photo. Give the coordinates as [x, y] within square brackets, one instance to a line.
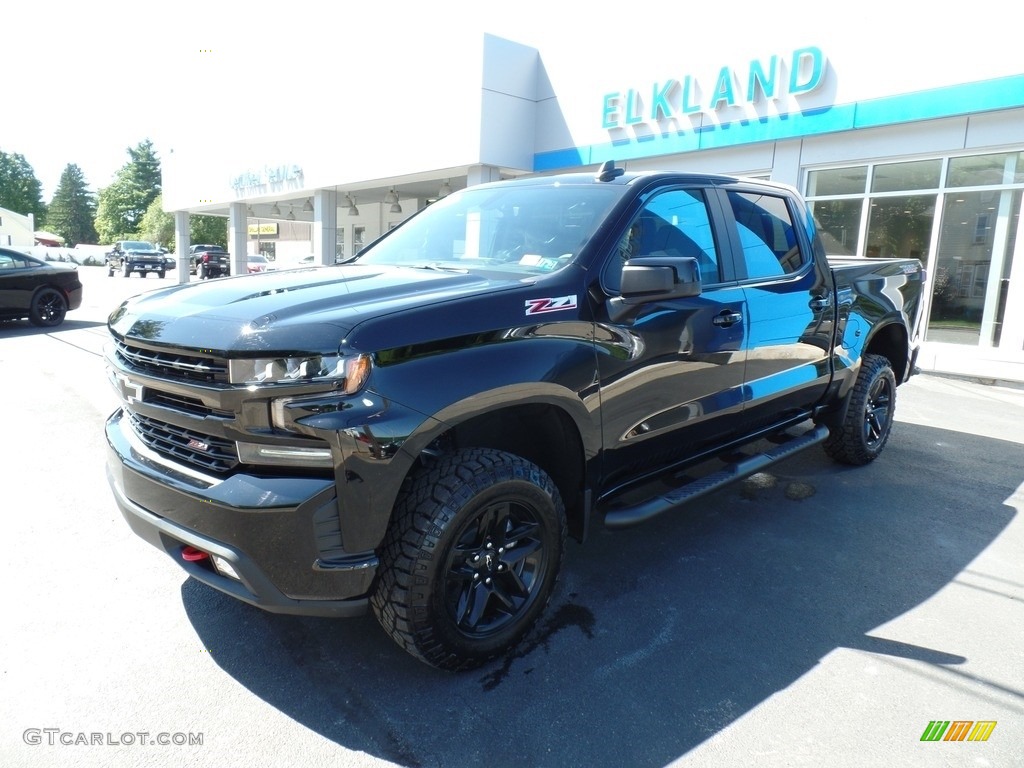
[42, 291]
[258, 263]
[209, 261]
[139, 256]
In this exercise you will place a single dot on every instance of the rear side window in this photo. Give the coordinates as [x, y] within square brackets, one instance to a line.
[767, 235]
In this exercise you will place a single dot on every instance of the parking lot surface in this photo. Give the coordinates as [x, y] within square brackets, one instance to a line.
[814, 616]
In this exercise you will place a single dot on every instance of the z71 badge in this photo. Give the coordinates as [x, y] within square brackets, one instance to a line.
[540, 306]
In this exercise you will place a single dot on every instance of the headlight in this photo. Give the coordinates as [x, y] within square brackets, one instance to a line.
[353, 370]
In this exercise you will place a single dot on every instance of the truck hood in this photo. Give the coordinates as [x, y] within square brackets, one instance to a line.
[295, 310]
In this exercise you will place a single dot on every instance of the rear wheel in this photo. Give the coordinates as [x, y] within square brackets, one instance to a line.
[48, 308]
[869, 415]
[471, 558]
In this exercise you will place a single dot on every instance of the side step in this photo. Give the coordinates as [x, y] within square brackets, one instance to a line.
[623, 517]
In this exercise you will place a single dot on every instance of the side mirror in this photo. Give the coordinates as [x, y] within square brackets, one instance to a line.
[655, 278]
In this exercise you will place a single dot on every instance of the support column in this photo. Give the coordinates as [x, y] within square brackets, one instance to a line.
[325, 225]
[482, 174]
[181, 244]
[238, 238]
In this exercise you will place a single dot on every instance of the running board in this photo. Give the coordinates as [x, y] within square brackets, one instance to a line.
[623, 517]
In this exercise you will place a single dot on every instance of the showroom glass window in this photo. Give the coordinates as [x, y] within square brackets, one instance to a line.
[957, 215]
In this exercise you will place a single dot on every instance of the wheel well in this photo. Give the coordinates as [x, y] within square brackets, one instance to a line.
[542, 434]
[891, 342]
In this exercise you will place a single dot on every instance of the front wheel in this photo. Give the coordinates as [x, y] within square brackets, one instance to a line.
[126, 271]
[471, 558]
[865, 428]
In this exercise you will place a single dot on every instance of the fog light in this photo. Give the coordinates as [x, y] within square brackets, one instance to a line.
[224, 568]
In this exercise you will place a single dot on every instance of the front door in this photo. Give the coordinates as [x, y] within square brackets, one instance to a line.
[671, 372]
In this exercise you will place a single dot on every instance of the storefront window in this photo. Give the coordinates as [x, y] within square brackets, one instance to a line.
[972, 267]
[970, 206]
[837, 181]
[838, 224]
[900, 226]
[986, 170]
[902, 177]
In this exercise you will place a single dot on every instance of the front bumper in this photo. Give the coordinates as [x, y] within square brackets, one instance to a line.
[279, 534]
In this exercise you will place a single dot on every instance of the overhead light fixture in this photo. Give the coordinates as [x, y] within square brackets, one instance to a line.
[352, 210]
[248, 210]
[275, 211]
[445, 190]
[396, 207]
[308, 205]
[291, 214]
[391, 198]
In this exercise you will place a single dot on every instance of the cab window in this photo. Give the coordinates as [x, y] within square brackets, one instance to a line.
[767, 235]
[673, 223]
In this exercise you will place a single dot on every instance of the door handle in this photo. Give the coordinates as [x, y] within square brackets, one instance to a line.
[821, 302]
[726, 317]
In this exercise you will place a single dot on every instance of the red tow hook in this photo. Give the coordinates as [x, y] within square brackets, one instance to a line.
[193, 555]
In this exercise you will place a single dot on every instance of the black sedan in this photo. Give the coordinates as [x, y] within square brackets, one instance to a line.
[40, 290]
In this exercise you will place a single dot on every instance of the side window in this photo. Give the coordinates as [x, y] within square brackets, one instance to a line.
[673, 223]
[767, 235]
[10, 261]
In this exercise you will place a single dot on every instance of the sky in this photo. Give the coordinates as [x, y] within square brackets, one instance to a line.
[83, 82]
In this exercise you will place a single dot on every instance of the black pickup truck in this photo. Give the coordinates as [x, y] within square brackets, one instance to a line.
[418, 430]
[208, 261]
[138, 256]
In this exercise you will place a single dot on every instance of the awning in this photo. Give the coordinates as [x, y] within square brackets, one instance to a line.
[49, 239]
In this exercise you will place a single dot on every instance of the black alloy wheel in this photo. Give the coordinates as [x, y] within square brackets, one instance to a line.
[870, 411]
[471, 558]
[48, 308]
[494, 568]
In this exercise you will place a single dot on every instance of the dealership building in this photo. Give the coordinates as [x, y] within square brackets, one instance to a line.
[925, 163]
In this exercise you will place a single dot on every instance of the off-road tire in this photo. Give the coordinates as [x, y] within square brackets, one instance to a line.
[471, 557]
[867, 422]
[126, 271]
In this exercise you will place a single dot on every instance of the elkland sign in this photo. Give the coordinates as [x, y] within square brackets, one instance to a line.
[674, 98]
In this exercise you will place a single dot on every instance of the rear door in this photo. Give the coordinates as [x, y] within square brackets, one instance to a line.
[671, 372]
[19, 277]
[789, 305]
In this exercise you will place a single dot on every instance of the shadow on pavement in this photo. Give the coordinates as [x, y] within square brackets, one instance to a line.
[15, 328]
[659, 636]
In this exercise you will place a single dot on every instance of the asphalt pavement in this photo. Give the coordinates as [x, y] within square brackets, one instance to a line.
[816, 615]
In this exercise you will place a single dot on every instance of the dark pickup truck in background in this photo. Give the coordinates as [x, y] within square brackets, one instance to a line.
[208, 261]
[139, 256]
[418, 431]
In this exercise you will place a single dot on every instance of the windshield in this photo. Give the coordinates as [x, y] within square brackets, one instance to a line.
[518, 228]
[137, 245]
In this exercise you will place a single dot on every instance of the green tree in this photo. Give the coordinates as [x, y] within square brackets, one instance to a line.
[208, 230]
[123, 204]
[157, 225]
[20, 190]
[73, 208]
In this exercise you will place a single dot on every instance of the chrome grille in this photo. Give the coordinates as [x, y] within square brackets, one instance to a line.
[173, 365]
[213, 454]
